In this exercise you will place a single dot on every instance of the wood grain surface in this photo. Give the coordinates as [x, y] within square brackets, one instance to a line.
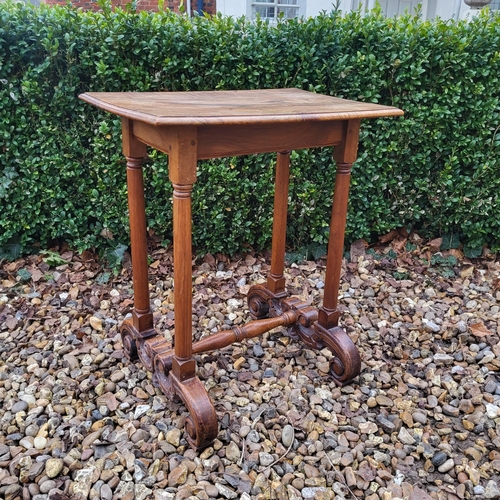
[231, 107]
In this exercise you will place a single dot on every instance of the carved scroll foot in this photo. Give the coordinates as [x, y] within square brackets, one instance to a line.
[346, 363]
[201, 426]
[129, 340]
[263, 303]
[258, 302]
[156, 355]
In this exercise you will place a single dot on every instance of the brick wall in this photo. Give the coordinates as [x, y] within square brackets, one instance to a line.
[151, 5]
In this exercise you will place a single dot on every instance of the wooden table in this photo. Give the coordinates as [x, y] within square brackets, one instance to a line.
[190, 126]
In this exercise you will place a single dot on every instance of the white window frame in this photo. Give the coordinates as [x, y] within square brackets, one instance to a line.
[495, 5]
[251, 11]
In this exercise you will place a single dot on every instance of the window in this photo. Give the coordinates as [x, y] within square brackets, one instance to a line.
[274, 9]
[495, 5]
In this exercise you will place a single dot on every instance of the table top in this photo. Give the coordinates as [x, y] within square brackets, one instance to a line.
[234, 107]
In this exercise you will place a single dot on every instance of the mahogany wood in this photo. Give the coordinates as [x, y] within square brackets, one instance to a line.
[234, 107]
[346, 363]
[344, 154]
[157, 354]
[182, 173]
[131, 145]
[234, 141]
[143, 318]
[149, 348]
[201, 426]
[276, 280]
[248, 331]
[182, 280]
[193, 125]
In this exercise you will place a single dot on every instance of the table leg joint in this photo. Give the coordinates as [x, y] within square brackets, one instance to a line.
[142, 320]
[264, 303]
[183, 369]
[328, 318]
[132, 338]
[276, 284]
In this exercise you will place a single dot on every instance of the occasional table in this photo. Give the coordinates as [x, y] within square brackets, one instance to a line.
[190, 126]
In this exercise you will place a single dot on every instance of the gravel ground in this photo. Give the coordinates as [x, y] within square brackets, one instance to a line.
[78, 421]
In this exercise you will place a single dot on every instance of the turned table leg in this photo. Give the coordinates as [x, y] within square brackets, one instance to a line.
[136, 331]
[264, 301]
[276, 280]
[328, 313]
[346, 363]
[184, 365]
[201, 425]
[142, 316]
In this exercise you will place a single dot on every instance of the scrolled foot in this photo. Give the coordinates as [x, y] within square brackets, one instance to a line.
[258, 302]
[201, 426]
[263, 303]
[129, 340]
[346, 363]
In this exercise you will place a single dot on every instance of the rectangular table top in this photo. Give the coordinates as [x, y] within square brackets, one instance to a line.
[234, 107]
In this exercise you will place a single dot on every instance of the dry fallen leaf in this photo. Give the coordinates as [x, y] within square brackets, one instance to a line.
[458, 254]
[386, 238]
[12, 267]
[36, 275]
[399, 243]
[309, 265]
[480, 330]
[250, 260]
[209, 259]
[415, 238]
[76, 277]
[435, 245]
[358, 249]
[86, 256]
[467, 273]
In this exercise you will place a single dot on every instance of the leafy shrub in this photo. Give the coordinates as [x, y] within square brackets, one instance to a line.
[62, 175]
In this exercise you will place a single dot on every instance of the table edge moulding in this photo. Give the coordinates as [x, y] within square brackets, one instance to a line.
[190, 126]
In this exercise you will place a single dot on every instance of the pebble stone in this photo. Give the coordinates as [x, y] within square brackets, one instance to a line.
[79, 420]
[19, 406]
[53, 467]
[287, 435]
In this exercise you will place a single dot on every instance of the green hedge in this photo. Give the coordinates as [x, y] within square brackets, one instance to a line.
[437, 169]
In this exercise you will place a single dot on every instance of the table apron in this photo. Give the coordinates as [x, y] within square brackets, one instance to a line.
[228, 140]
